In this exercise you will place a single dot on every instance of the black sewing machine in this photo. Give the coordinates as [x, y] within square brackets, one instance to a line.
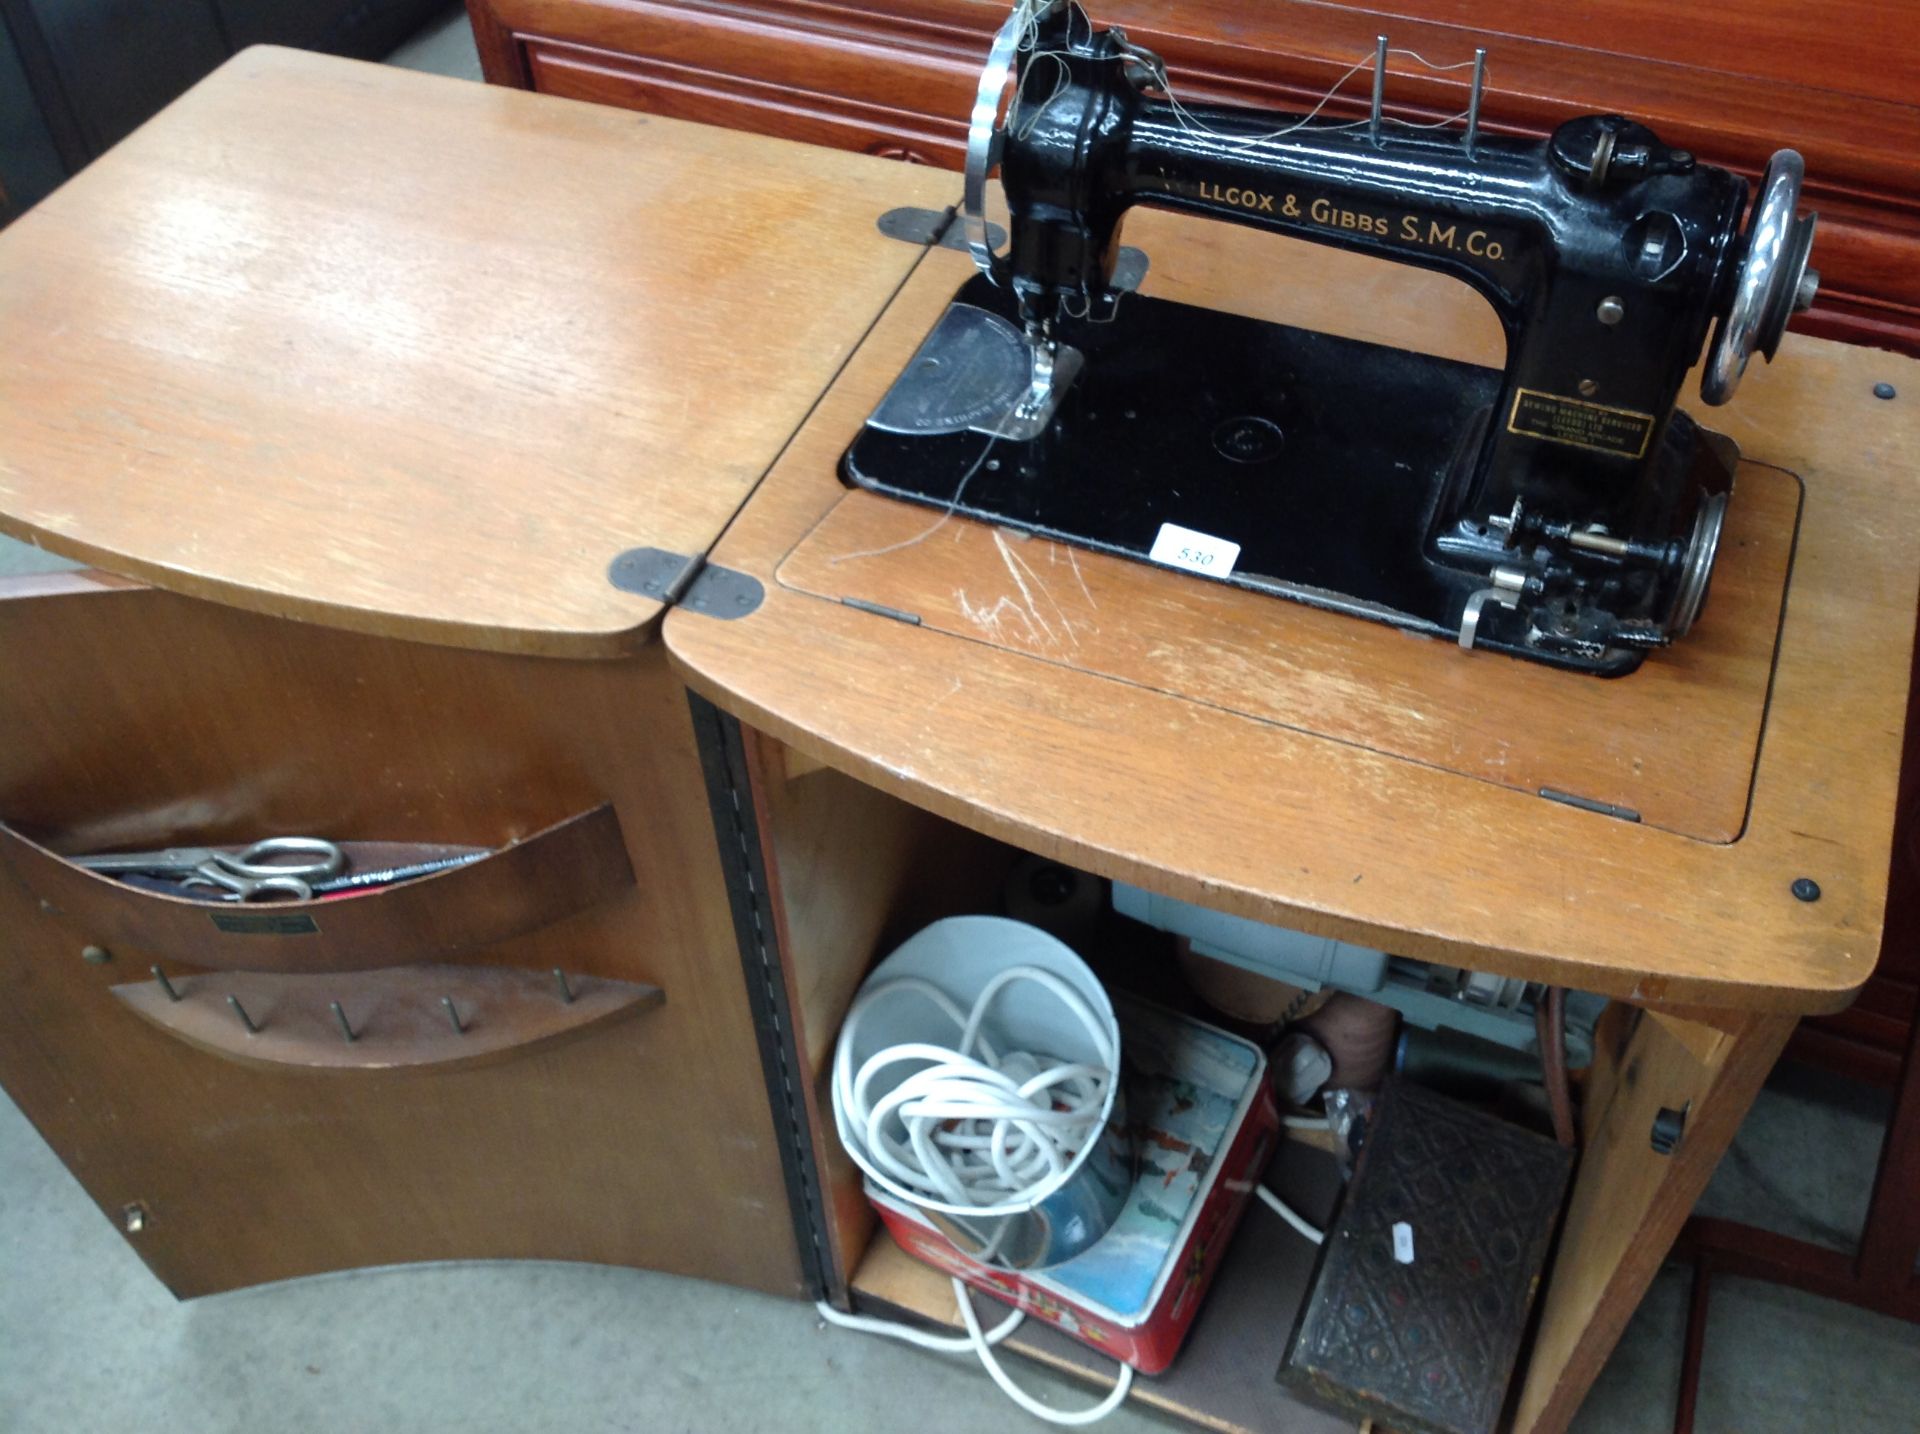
[1562, 510]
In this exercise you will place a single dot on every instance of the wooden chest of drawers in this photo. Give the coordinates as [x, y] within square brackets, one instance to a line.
[1735, 82]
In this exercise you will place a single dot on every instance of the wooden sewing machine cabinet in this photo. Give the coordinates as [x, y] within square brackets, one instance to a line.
[377, 450]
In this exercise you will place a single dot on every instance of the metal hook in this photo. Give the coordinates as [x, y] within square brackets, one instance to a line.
[1473, 104]
[241, 1011]
[345, 1029]
[566, 991]
[165, 984]
[453, 1015]
[1379, 86]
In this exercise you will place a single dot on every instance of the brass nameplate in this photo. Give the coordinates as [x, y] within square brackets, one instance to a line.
[1578, 424]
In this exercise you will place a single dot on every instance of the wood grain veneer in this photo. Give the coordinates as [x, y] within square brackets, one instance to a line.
[568, 867]
[399, 1017]
[1161, 788]
[419, 357]
[167, 718]
[1674, 743]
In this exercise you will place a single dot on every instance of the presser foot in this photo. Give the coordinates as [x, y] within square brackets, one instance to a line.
[978, 372]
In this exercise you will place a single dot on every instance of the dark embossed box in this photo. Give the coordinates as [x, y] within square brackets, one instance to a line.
[1428, 1272]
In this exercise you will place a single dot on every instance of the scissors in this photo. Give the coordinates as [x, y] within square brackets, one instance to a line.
[277, 868]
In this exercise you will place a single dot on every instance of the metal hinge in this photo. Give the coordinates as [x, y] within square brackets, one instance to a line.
[922, 227]
[677, 580]
[913, 225]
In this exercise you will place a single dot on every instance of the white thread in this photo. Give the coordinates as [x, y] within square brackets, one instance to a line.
[1188, 122]
[1429, 64]
[1023, 126]
[1193, 126]
[1432, 124]
[953, 505]
[1061, 75]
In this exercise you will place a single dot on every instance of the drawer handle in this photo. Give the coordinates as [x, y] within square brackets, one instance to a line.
[403, 1018]
[899, 152]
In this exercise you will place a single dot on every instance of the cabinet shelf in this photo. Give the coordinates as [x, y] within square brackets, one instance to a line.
[1226, 1375]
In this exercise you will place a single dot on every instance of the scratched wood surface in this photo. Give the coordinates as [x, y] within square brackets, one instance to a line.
[419, 357]
[1180, 795]
[1675, 742]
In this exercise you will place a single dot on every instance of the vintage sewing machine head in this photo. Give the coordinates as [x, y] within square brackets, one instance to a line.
[1562, 510]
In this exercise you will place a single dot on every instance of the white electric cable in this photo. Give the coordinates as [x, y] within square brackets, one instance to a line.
[940, 1343]
[1290, 1215]
[981, 1343]
[1020, 1396]
[991, 1132]
[982, 1346]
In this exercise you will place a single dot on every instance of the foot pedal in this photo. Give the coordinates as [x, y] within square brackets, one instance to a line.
[1429, 1270]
